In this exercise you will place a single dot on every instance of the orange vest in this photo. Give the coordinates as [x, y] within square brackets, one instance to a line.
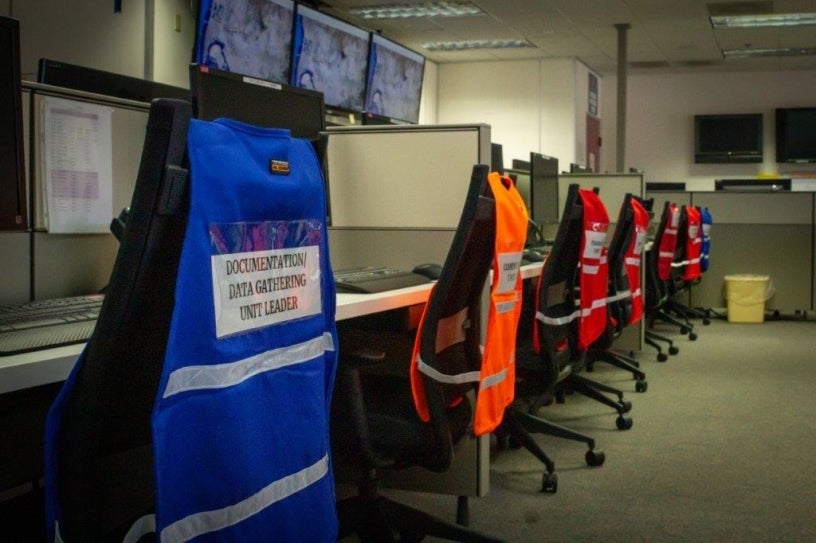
[497, 375]
[694, 242]
[668, 244]
[594, 269]
[634, 258]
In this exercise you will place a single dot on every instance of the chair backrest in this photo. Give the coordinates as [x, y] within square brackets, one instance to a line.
[660, 257]
[694, 240]
[619, 295]
[555, 334]
[634, 255]
[99, 472]
[449, 337]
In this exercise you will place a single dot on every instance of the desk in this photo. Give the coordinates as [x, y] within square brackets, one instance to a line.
[35, 377]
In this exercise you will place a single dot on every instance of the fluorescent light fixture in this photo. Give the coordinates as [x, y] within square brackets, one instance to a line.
[426, 9]
[780, 52]
[475, 44]
[770, 19]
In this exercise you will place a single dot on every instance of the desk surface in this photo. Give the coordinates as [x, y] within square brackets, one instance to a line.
[52, 365]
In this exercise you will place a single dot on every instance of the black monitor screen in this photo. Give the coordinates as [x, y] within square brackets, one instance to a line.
[395, 75]
[12, 168]
[250, 37]
[330, 56]
[728, 138]
[796, 134]
[496, 157]
[543, 189]
[254, 101]
[72, 76]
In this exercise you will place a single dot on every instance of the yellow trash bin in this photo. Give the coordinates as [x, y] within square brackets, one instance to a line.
[746, 295]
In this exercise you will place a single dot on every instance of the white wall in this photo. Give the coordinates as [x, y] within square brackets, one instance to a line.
[172, 49]
[660, 125]
[428, 110]
[530, 105]
[85, 32]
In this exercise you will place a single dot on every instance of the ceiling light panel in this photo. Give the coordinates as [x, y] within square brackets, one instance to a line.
[774, 52]
[427, 9]
[462, 45]
[772, 19]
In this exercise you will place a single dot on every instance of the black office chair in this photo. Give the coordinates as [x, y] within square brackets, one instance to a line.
[104, 458]
[619, 299]
[375, 426]
[685, 267]
[658, 272]
[548, 352]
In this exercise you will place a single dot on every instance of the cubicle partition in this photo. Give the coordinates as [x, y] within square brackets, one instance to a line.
[41, 263]
[395, 196]
[396, 192]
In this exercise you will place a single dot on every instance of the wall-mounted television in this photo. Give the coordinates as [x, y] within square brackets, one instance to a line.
[249, 37]
[395, 75]
[731, 139]
[330, 56]
[796, 134]
[12, 165]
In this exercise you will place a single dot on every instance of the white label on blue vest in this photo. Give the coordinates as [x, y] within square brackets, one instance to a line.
[261, 288]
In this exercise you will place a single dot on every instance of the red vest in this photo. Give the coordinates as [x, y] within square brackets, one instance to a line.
[668, 243]
[594, 269]
[694, 242]
[634, 256]
[497, 375]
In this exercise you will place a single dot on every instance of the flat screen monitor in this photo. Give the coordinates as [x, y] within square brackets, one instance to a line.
[82, 78]
[496, 158]
[519, 164]
[796, 134]
[395, 75]
[250, 37]
[262, 103]
[543, 189]
[330, 56]
[12, 162]
[728, 138]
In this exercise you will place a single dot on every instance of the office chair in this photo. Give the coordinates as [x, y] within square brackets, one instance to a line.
[658, 272]
[685, 270]
[179, 422]
[624, 252]
[549, 352]
[376, 427]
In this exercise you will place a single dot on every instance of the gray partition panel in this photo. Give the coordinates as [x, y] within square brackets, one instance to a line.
[403, 249]
[612, 188]
[14, 288]
[402, 176]
[69, 265]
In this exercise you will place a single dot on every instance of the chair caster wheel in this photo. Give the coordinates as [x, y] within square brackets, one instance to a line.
[623, 423]
[549, 483]
[641, 385]
[626, 406]
[662, 357]
[706, 321]
[684, 330]
[692, 336]
[674, 349]
[594, 457]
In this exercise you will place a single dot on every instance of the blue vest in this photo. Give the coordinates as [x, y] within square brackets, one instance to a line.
[240, 425]
[705, 248]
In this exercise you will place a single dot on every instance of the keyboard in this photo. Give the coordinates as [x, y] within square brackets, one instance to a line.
[372, 279]
[44, 324]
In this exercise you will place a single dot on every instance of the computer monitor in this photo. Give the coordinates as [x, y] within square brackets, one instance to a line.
[496, 158]
[519, 164]
[82, 78]
[394, 83]
[12, 163]
[246, 36]
[330, 56]
[217, 93]
[577, 168]
[543, 189]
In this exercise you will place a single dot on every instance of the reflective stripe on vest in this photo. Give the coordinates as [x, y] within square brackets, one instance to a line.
[594, 269]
